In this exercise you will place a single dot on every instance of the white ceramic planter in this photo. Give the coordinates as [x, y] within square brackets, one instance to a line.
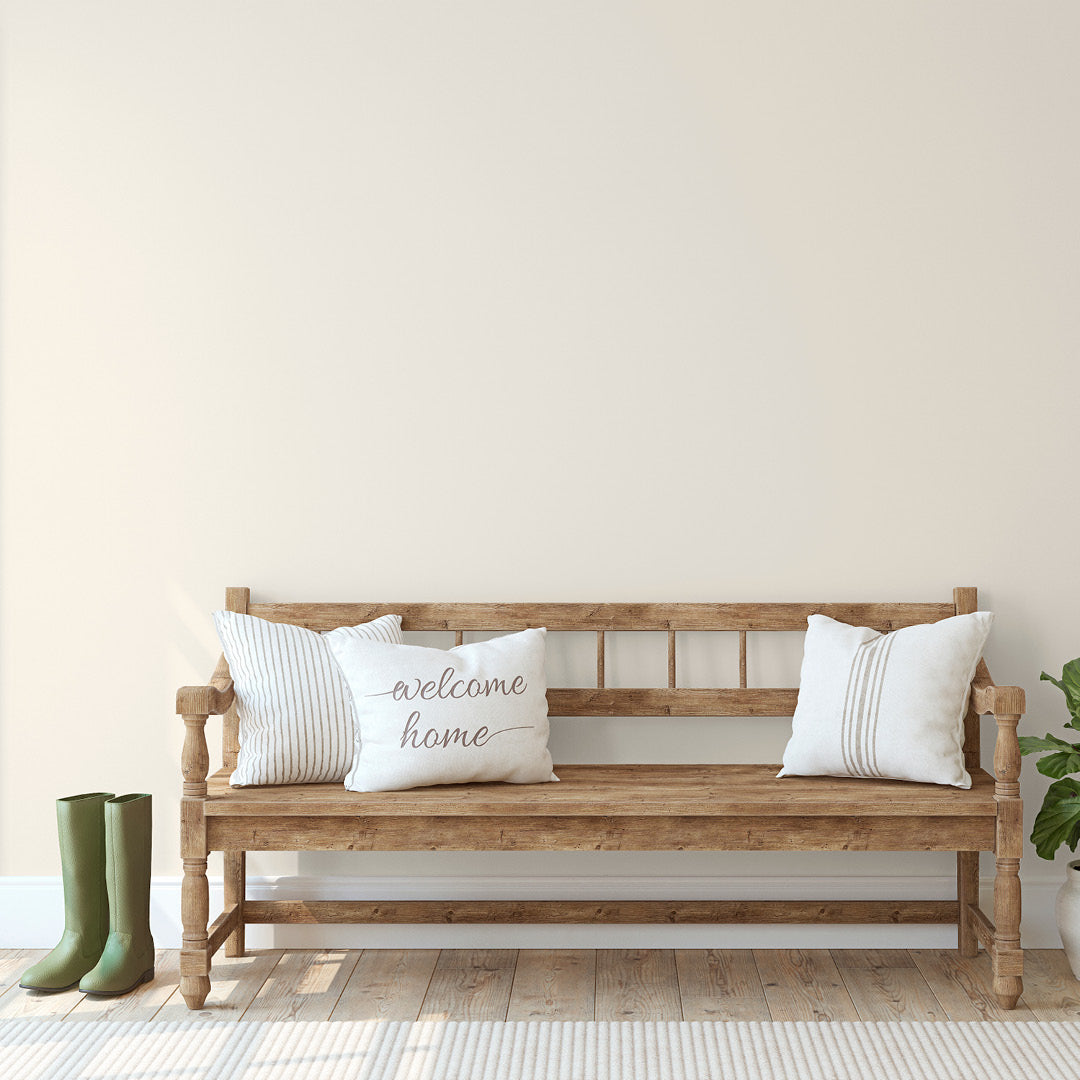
[1068, 915]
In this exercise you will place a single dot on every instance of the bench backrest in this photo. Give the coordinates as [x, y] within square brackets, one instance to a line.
[669, 700]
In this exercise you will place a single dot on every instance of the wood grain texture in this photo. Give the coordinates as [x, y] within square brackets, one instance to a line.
[583, 616]
[987, 697]
[13, 962]
[967, 894]
[230, 737]
[761, 833]
[194, 903]
[388, 912]
[1007, 957]
[711, 985]
[863, 959]
[195, 756]
[886, 985]
[637, 984]
[964, 986]
[965, 599]
[965, 602]
[803, 984]
[720, 984]
[553, 984]
[387, 984]
[143, 1003]
[236, 599]
[303, 986]
[972, 739]
[984, 929]
[632, 791]
[19, 1004]
[237, 980]
[212, 699]
[671, 701]
[1051, 990]
[235, 866]
[226, 924]
[471, 984]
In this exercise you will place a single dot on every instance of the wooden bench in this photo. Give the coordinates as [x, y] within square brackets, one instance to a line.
[701, 807]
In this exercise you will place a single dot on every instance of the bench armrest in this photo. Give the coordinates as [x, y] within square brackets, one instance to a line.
[999, 700]
[195, 704]
[210, 700]
[1007, 705]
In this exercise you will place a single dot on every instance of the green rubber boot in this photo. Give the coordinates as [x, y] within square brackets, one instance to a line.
[80, 824]
[128, 957]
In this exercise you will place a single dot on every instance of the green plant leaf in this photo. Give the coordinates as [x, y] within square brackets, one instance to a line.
[1032, 744]
[1069, 685]
[1058, 821]
[1059, 765]
[1063, 759]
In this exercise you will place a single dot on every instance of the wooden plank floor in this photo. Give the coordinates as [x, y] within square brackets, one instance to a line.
[572, 984]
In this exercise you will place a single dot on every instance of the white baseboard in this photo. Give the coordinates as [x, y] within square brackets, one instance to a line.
[33, 909]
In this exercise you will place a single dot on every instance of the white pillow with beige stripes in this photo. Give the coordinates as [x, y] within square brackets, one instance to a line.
[886, 705]
[295, 711]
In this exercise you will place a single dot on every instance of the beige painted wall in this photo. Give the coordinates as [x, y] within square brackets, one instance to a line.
[520, 301]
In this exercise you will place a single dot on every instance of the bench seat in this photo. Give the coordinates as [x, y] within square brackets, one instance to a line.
[620, 790]
[612, 808]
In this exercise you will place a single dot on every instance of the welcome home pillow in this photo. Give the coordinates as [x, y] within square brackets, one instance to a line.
[431, 716]
[296, 724]
[886, 705]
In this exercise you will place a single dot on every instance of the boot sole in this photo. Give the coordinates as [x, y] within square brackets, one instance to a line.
[49, 989]
[145, 977]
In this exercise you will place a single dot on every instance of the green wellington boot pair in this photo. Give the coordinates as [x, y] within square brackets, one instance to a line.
[105, 859]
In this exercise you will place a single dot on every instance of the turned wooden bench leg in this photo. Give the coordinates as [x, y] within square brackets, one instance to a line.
[194, 890]
[235, 889]
[195, 954]
[1008, 957]
[967, 893]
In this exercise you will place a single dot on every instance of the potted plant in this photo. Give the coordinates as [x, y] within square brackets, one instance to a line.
[1058, 822]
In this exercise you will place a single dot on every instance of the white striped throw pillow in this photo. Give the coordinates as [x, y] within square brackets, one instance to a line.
[886, 705]
[296, 719]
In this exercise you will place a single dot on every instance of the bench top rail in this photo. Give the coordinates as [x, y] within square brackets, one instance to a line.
[677, 616]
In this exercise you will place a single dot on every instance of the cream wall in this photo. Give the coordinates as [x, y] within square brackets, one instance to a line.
[522, 301]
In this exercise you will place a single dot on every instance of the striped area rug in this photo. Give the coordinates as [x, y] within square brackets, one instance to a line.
[35, 1050]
